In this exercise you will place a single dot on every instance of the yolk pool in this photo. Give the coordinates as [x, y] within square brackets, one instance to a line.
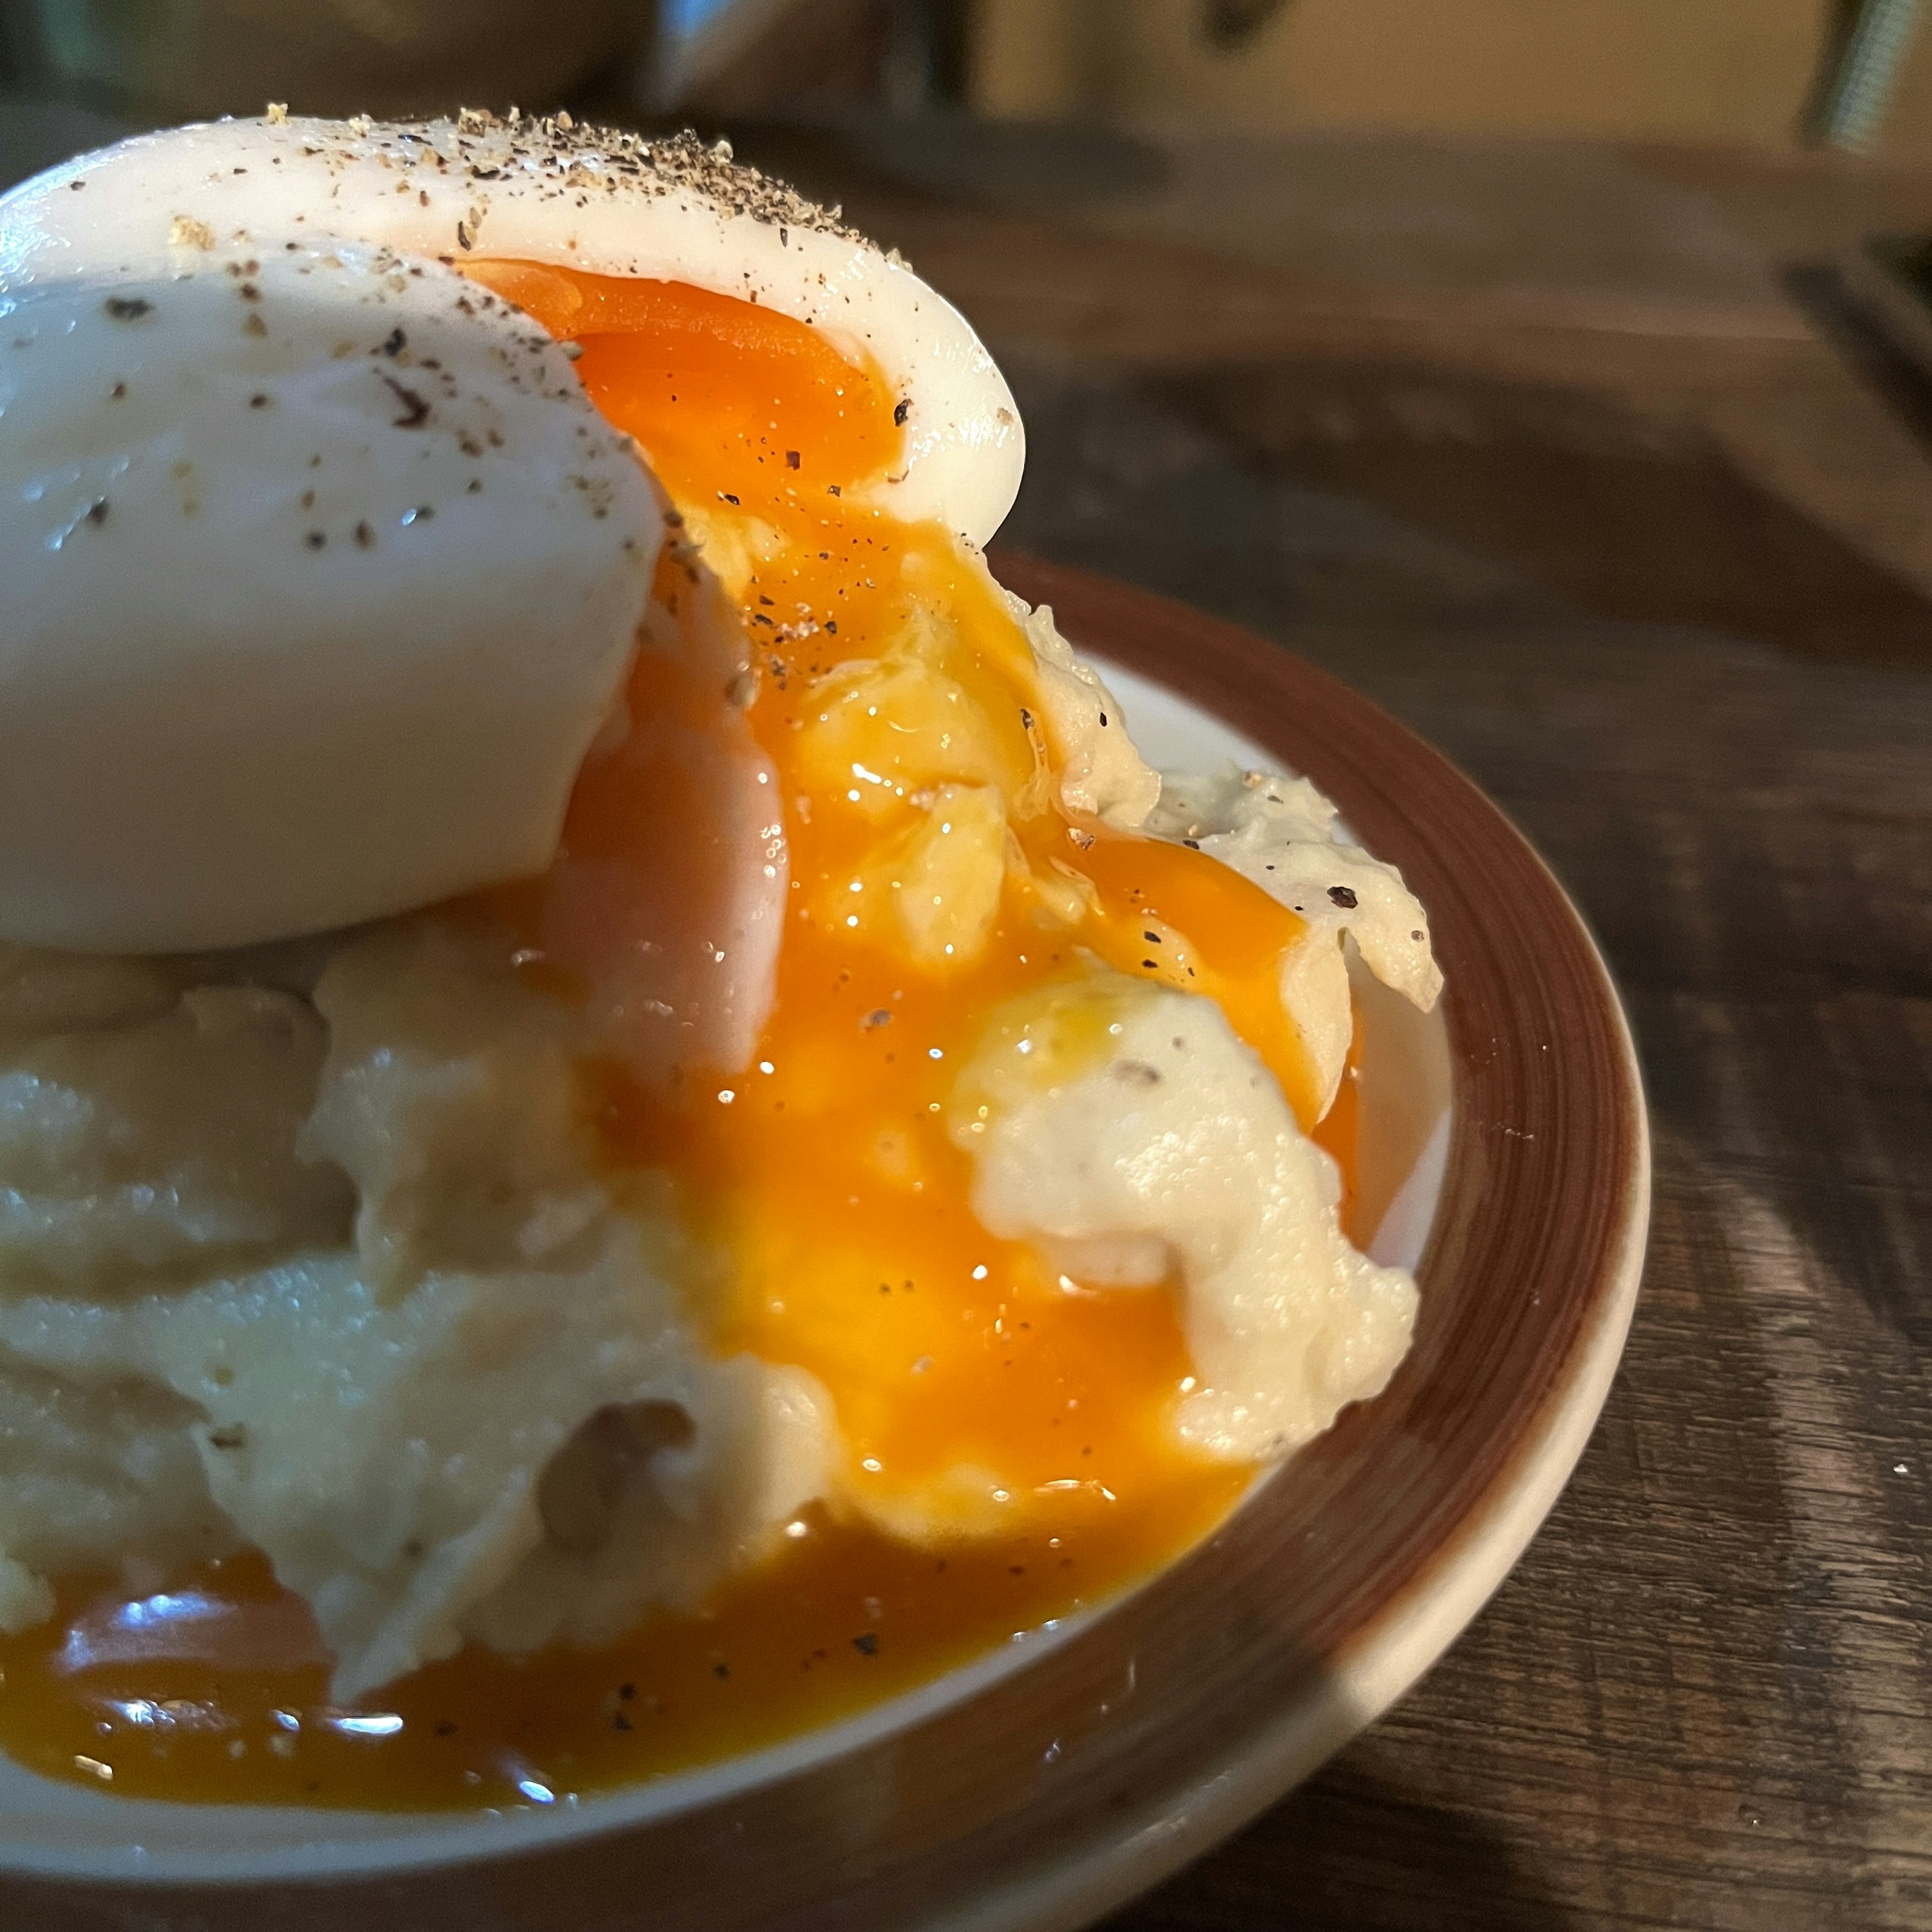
[1013, 1423]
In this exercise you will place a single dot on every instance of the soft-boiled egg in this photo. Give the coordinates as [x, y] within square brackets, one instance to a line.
[321, 572]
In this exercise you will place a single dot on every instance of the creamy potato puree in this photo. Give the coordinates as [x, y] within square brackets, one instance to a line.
[354, 1288]
[1125, 1130]
[312, 1252]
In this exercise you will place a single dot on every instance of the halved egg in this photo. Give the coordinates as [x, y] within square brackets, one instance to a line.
[987, 1106]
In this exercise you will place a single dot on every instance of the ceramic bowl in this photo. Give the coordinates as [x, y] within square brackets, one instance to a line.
[1505, 1158]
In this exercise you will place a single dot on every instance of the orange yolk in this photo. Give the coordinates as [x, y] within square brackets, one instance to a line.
[1010, 1455]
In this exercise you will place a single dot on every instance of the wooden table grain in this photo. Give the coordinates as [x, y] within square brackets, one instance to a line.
[1571, 457]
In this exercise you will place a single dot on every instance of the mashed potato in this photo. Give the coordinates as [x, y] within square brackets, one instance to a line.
[1281, 833]
[306, 1248]
[1123, 1128]
[333, 1277]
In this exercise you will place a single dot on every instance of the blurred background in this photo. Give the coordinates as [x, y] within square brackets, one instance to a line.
[1461, 259]
[1554, 371]
[1754, 72]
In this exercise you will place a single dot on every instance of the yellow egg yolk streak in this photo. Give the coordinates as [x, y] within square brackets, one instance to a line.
[1010, 1457]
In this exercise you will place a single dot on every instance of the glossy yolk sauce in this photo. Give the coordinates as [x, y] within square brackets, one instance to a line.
[1010, 1457]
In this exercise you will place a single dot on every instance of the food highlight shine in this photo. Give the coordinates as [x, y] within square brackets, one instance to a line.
[628, 1120]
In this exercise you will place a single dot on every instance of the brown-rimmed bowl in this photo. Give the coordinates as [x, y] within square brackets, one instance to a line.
[1034, 1790]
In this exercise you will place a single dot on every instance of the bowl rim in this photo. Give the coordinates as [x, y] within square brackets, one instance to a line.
[1345, 1673]
[1390, 1652]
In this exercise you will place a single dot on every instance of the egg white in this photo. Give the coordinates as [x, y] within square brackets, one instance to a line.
[605, 203]
[318, 573]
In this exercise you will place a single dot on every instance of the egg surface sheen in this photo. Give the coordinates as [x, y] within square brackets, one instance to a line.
[320, 572]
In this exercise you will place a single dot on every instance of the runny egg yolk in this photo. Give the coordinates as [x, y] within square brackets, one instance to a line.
[1010, 1453]
[934, 878]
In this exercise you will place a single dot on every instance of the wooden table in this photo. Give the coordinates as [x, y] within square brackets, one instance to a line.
[1565, 455]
